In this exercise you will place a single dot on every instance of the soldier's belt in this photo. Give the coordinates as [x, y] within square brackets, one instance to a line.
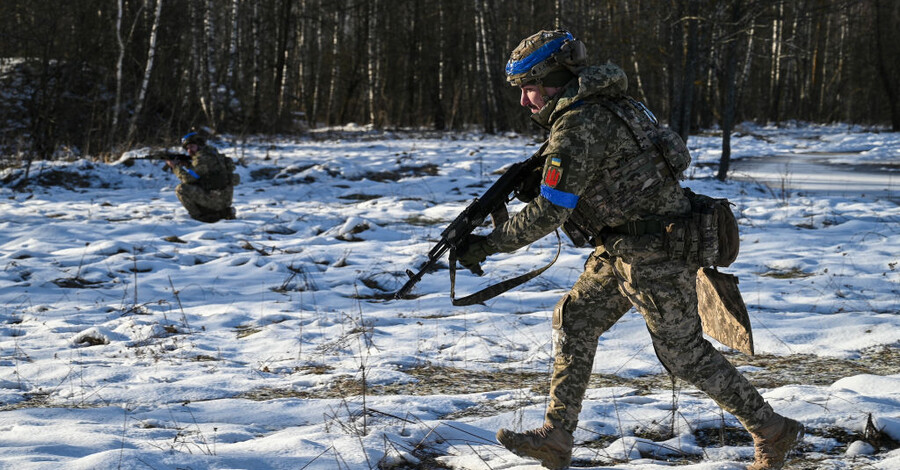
[637, 227]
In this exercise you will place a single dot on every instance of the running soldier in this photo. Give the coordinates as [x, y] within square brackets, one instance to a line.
[207, 184]
[611, 178]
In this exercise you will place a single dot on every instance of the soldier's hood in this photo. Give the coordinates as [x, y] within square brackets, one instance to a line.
[598, 80]
[607, 79]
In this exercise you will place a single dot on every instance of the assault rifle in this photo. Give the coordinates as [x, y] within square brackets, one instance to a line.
[492, 202]
[128, 158]
[181, 158]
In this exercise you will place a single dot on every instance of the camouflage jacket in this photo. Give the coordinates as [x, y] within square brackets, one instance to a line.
[588, 157]
[213, 169]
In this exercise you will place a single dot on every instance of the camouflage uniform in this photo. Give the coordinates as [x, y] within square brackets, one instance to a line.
[584, 186]
[207, 198]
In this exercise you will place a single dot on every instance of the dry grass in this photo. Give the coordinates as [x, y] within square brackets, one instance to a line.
[776, 371]
[773, 371]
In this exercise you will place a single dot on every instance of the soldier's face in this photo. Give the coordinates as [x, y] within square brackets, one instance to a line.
[532, 99]
[191, 148]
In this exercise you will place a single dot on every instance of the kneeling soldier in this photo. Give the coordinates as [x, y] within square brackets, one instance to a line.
[207, 183]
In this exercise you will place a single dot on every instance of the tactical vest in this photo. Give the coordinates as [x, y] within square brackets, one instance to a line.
[625, 182]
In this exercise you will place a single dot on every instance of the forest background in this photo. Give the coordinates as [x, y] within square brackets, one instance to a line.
[97, 77]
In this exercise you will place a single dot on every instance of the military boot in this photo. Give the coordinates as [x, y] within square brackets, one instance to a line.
[773, 441]
[551, 445]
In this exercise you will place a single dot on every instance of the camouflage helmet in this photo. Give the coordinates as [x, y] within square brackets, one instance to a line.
[548, 58]
[192, 138]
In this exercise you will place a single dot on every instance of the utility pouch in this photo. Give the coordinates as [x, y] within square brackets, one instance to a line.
[709, 236]
[723, 313]
[673, 149]
[230, 167]
[575, 234]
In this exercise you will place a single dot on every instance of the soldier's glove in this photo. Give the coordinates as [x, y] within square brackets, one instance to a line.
[472, 252]
[530, 186]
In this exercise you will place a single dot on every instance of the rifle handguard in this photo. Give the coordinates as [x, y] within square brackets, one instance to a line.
[492, 203]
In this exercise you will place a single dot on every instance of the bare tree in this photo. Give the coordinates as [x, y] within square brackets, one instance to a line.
[250, 66]
[730, 85]
[372, 60]
[330, 114]
[887, 13]
[230, 71]
[148, 69]
[438, 93]
[119, 72]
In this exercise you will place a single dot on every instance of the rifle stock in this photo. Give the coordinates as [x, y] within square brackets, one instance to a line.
[491, 202]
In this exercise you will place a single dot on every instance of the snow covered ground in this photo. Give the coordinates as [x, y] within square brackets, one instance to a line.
[134, 337]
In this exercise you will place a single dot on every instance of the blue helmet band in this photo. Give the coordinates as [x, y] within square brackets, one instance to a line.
[188, 136]
[192, 138]
[523, 65]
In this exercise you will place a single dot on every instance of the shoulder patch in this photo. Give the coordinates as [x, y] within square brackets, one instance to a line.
[552, 177]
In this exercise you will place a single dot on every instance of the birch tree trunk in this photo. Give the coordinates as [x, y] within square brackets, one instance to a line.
[117, 106]
[257, 53]
[371, 67]
[632, 55]
[557, 14]
[439, 119]
[230, 72]
[837, 77]
[200, 55]
[209, 65]
[775, 72]
[282, 64]
[748, 61]
[330, 114]
[151, 54]
[675, 71]
[484, 69]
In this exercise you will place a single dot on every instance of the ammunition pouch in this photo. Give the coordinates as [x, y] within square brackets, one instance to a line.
[575, 234]
[709, 236]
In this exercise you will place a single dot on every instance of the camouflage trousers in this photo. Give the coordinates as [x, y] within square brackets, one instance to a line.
[203, 205]
[664, 292]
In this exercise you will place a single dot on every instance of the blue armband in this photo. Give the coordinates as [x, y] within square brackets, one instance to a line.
[559, 198]
[191, 172]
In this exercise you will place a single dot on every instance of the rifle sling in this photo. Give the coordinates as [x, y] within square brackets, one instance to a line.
[498, 288]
